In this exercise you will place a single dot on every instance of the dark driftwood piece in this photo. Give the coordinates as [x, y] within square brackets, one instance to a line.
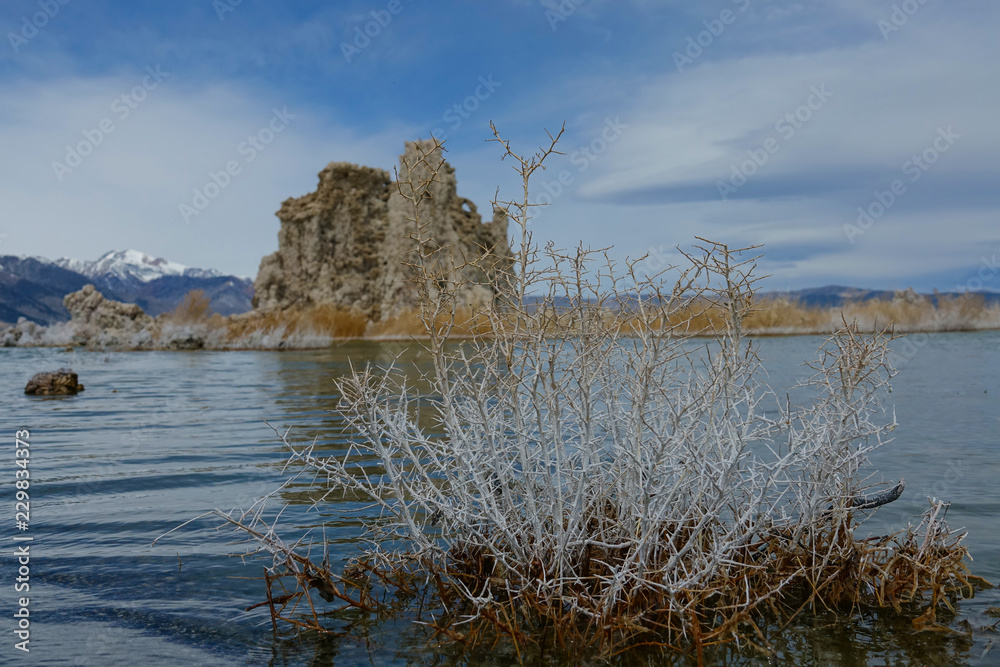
[877, 499]
[872, 501]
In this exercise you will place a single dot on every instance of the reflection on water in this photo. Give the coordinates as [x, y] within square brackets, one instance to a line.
[158, 438]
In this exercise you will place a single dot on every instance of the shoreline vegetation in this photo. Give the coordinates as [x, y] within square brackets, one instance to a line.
[191, 326]
[600, 475]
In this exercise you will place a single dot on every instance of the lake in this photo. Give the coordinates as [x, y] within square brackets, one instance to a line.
[158, 438]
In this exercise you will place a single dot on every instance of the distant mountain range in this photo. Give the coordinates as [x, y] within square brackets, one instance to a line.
[830, 296]
[836, 296]
[34, 287]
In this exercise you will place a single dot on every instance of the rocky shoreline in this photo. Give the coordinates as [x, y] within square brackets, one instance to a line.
[97, 322]
[103, 324]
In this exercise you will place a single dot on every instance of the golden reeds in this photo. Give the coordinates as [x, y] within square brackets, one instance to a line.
[319, 325]
[322, 320]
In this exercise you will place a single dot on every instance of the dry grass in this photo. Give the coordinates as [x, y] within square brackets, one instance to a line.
[783, 316]
[193, 309]
[966, 312]
[408, 324]
[318, 326]
[317, 321]
[767, 317]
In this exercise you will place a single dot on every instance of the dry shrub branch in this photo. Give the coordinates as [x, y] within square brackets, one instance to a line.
[597, 478]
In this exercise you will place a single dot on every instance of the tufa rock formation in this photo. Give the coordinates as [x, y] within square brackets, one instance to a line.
[62, 382]
[908, 296]
[346, 243]
[24, 333]
[100, 322]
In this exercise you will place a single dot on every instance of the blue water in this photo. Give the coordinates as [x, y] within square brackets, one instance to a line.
[158, 438]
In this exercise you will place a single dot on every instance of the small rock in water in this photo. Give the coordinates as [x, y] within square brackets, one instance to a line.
[186, 342]
[63, 382]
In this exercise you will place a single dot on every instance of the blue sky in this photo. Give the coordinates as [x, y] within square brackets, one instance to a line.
[744, 121]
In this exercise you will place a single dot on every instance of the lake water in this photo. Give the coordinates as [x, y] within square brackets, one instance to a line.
[158, 438]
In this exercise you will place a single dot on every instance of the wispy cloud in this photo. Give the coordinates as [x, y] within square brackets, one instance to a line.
[128, 190]
[744, 114]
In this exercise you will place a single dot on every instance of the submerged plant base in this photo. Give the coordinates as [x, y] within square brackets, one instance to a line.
[919, 573]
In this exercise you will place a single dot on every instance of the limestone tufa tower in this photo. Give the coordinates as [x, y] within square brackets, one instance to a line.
[345, 244]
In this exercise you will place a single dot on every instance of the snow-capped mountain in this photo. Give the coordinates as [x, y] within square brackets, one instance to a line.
[34, 287]
[127, 265]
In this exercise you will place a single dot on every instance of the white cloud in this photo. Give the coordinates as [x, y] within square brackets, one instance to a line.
[657, 184]
[127, 192]
[884, 104]
[654, 186]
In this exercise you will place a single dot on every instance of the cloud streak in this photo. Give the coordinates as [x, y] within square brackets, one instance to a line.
[792, 117]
